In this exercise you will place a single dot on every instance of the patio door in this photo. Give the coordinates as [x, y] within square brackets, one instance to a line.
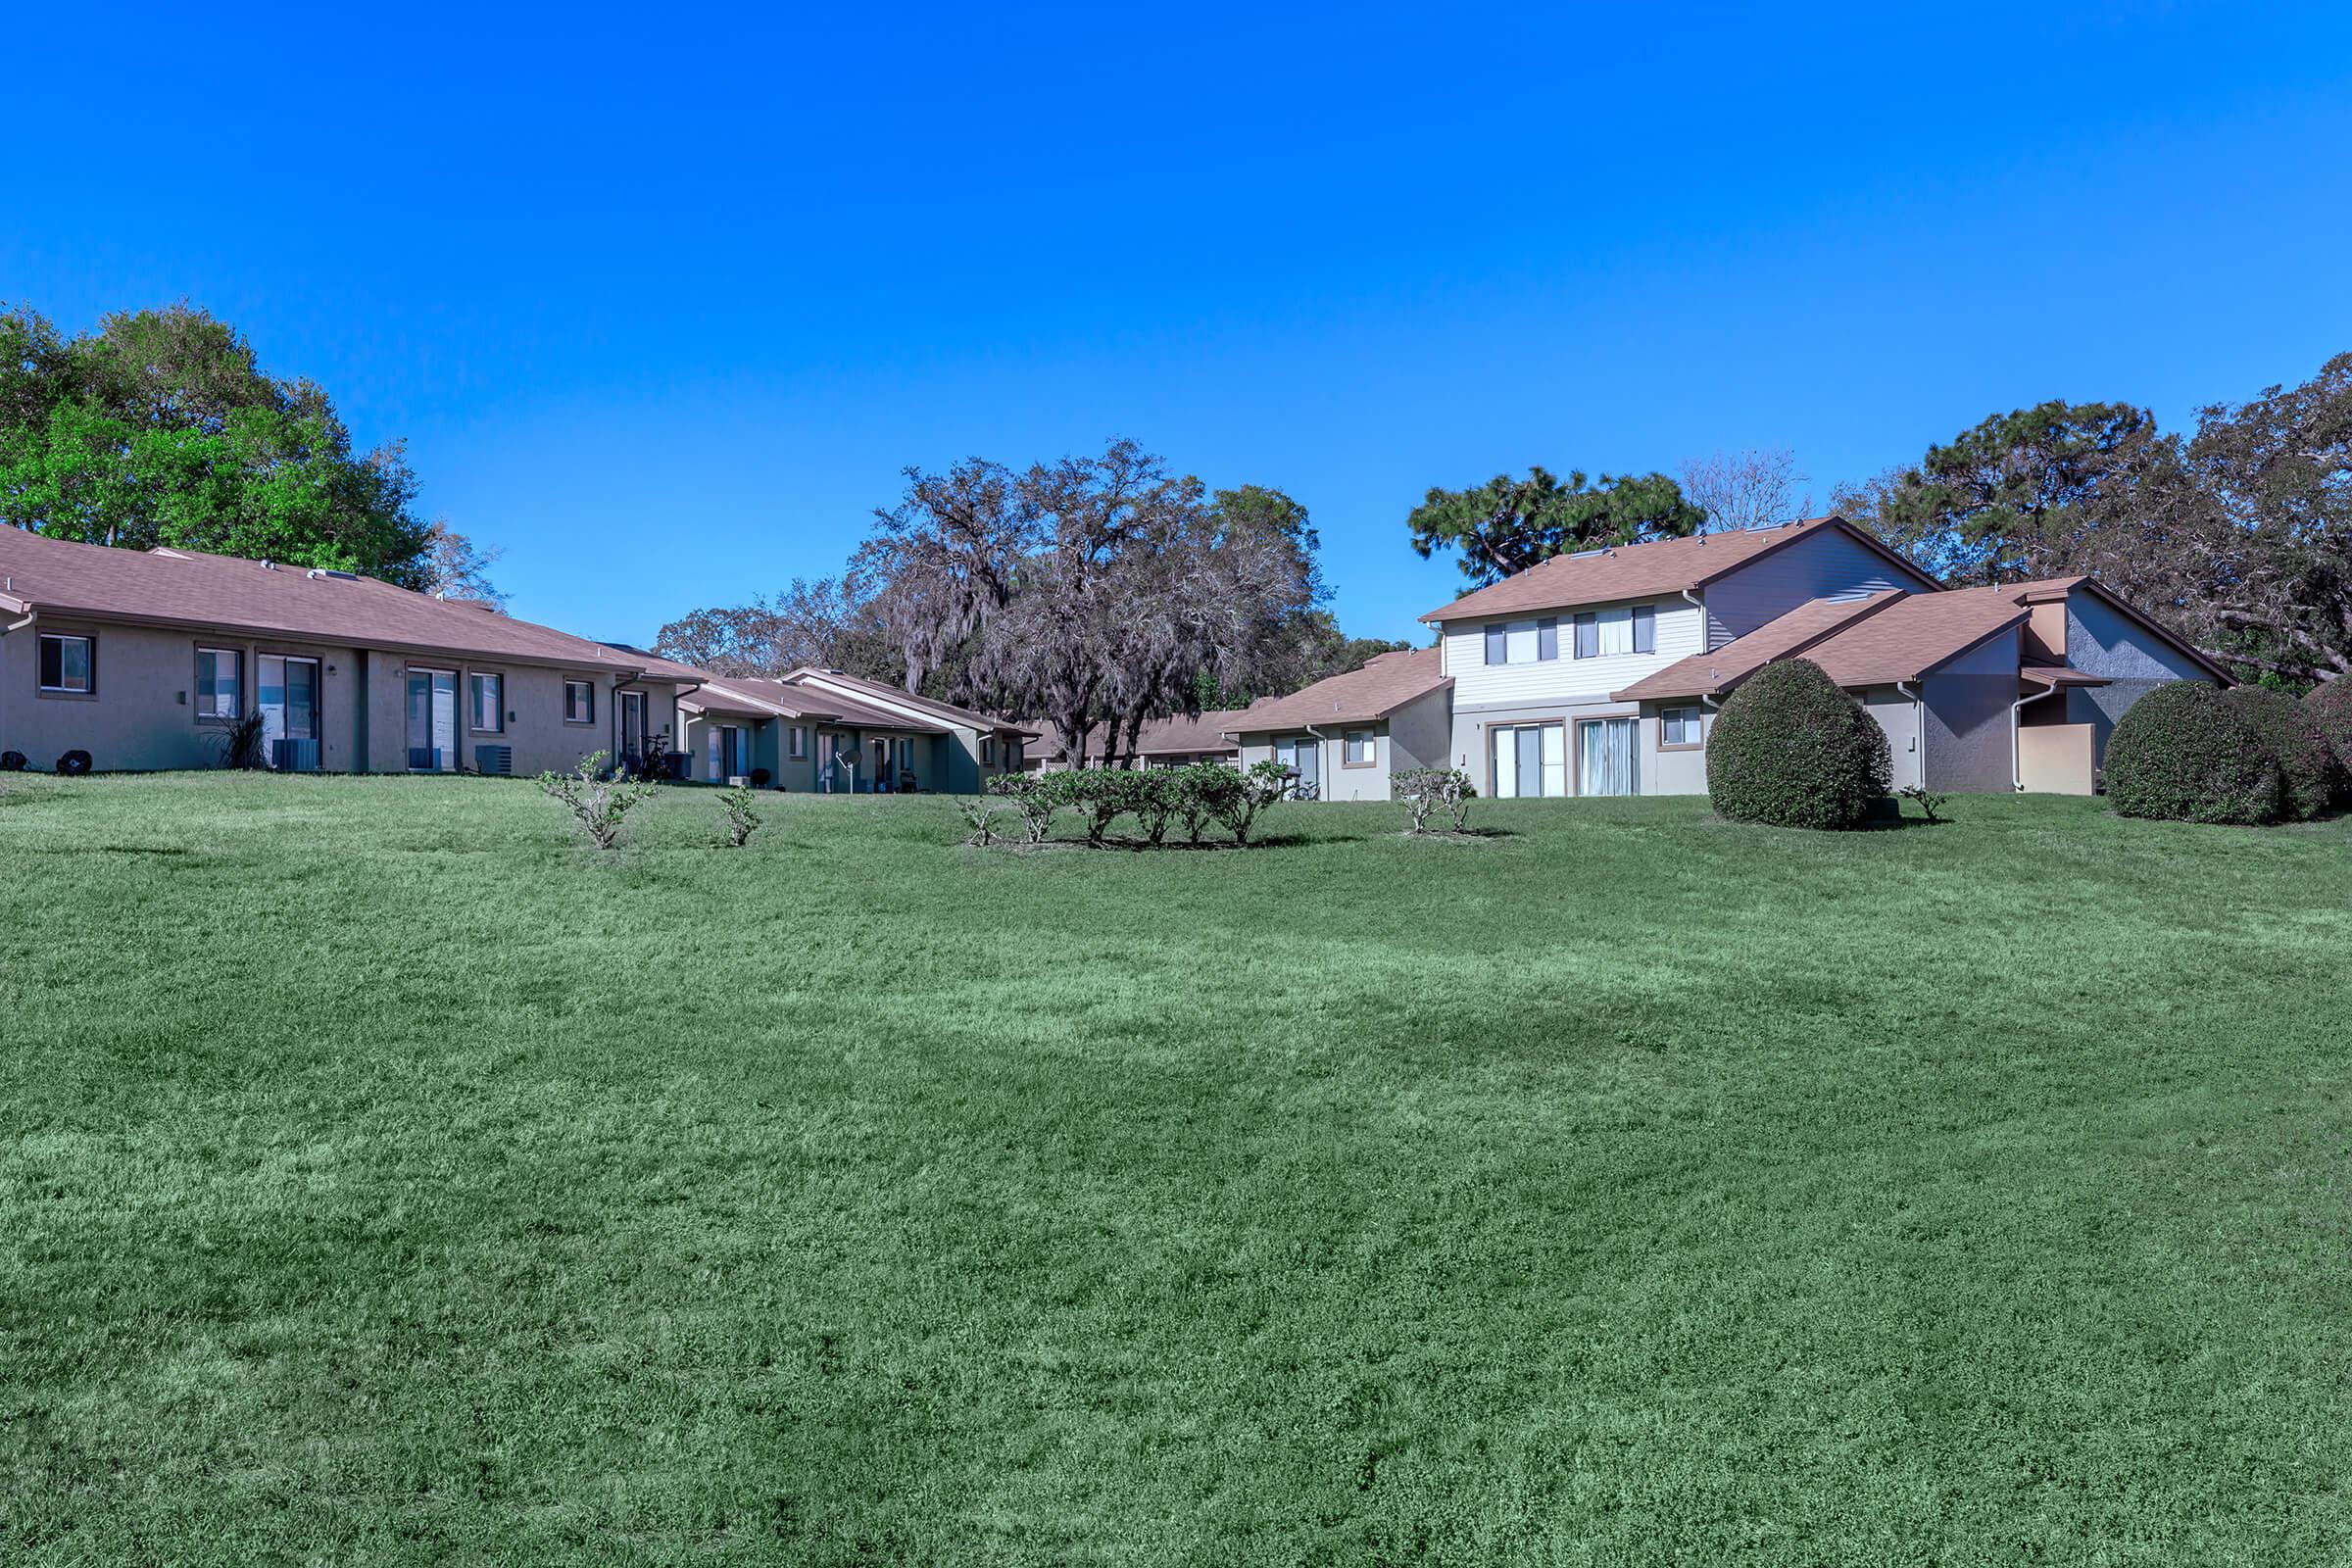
[1302, 756]
[432, 721]
[729, 759]
[633, 738]
[883, 780]
[289, 709]
[1604, 749]
[1527, 760]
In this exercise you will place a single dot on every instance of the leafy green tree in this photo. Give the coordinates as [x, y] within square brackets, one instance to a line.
[1507, 526]
[2017, 496]
[161, 429]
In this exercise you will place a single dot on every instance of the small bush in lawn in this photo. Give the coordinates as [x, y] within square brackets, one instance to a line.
[2186, 752]
[242, 747]
[1036, 797]
[1240, 798]
[2330, 705]
[1790, 748]
[1196, 786]
[1154, 794]
[2306, 765]
[980, 815]
[1102, 795]
[1926, 799]
[1427, 790]
[597, 802]
[742, 821]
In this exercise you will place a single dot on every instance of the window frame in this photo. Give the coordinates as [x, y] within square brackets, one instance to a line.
[473, 702]
[588, 686]
[1371, 746]
[89, 665]
[1697, 716]
[1646, 628]
[1496, 641]
[988, 751]
[1585, 629]
[236, 656]
[796, 741]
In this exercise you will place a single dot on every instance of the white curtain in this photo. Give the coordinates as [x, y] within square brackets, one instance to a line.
[1609, 757]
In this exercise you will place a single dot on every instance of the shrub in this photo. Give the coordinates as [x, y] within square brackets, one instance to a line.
[1197, 785]
[2188, 753]
[1102, 795]
[1789, 748]
[2330, 705]
[980, 815]
[740, 820]
[1926, 799]
[599, 803]
[1154, 792]
[1424, 790]
[1037, 797]
[242, 747]
[1239, 796]
[2306, 765]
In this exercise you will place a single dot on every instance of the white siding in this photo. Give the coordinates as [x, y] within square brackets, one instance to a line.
[1477, 683]
[1830, 564]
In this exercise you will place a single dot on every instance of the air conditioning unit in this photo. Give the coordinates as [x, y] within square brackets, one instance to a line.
[292, 756]
[738, 781]
[494, 759]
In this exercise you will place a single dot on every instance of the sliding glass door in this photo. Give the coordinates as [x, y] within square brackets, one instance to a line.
[1303, 755]
[1527, 760]
[289, 709]
[1604, 749]
[432, 721]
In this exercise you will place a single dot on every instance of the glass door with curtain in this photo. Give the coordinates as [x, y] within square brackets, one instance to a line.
[289, 709]
[633, 739]
[1527, 760]
[1302, 756]
[1606, 753]
[432, 721]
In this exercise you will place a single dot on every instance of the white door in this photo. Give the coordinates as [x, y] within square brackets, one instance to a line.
[1605, 752]
[1528, 759]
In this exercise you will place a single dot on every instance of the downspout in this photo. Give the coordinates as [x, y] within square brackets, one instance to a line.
[2017, 764]
[1919, 728]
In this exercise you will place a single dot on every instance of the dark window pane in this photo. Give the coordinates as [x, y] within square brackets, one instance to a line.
[1588, 636]
[1498, 645]
[1646, 628]
[1548, 639]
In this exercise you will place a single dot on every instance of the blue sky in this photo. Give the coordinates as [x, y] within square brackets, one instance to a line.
[713, 279]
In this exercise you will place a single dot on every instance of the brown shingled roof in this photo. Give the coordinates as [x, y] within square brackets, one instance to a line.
[789, 699]
[1642, 571]
[1386, 683]
[1160, 737]
[224, 593]
[1719, 670]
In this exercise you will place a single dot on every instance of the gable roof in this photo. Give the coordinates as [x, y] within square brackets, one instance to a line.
[230, 594]
[751, 698]
[1892, 636]
[1719, 670]
[2047, 589]
[1385, 683]
[1649, 570]
[860, 686]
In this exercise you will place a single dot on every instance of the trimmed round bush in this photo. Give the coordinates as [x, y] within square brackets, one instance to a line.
[2330, 706]
[1791, 748]
[2306, 765]
[2186, 752]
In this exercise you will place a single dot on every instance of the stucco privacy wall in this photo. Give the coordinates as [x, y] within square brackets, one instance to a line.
[2100, 641]
[1825, 565]
[1968, 703]
[1898, 716]
[141, 714]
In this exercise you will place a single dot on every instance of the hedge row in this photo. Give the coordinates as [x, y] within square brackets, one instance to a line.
[1188, 800]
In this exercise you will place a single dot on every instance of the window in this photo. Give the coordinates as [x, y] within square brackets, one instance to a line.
[580, 702]
[1357, 750]
[66, 665]
[1523, 642]
[220, 683]
[1679, 726]
[488, 702]
[1629, 630]
[988, 751]
[798, 737]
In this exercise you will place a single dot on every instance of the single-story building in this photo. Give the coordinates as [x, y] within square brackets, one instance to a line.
[144, 659]
[1346, 736]
[823, 731]
[1173, 742]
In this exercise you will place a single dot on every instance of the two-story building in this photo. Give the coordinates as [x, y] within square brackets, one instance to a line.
[1601, 672]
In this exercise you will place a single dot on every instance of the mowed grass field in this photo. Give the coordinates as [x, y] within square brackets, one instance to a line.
[387, 1177]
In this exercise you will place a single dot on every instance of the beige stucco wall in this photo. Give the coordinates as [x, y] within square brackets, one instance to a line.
[2056, 759]
[142, 715]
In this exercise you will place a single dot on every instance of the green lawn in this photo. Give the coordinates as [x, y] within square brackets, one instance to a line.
[386, 1177]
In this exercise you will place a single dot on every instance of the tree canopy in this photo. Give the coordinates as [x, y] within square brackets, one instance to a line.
[2238, 534]
[161, 429]
[1508, 524]
[824, 624]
